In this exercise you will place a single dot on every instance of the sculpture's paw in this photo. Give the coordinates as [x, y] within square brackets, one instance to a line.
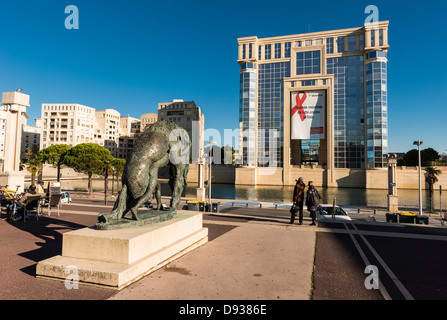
[104, 217]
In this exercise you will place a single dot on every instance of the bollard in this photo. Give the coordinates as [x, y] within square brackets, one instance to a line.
[375, 211]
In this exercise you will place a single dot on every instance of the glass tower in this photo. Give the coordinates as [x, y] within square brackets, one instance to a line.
[350, 65]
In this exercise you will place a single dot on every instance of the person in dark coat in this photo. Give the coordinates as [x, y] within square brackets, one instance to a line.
[312, 201]
[298, 201]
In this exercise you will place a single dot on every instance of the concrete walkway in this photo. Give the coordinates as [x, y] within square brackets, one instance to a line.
[249, 261]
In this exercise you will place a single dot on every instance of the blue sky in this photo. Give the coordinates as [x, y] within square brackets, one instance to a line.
[131, 55]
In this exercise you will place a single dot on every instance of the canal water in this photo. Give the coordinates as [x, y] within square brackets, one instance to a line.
[344, 196]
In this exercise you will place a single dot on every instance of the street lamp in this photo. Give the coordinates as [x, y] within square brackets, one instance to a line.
[418, 143]
[210, 152]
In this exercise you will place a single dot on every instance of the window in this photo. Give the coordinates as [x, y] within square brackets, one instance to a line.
[306, 83]
[268, 51]
[307, 43]
[308, 62]
[341, 44]
[277, 50]
[352, 43]
[330, 45]
[243, 51]
[287, 49]
[250, 51]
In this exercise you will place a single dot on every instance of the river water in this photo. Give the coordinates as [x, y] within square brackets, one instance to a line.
[344, 196]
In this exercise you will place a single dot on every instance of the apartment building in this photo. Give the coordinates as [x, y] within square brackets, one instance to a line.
[106, 131]
[70, 124]
[30, 138]
[188, 116]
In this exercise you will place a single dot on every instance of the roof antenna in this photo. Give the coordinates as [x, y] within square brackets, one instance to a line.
[309, 27]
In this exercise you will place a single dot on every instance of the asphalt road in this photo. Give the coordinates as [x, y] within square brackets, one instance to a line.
[409, 259]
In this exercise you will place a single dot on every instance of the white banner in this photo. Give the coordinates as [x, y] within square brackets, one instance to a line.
[308, 115]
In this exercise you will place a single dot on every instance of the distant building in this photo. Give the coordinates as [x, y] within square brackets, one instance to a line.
[106, 131]
[147, 120]
[30, 138]
[129, 129]
[70, 124]
[189, 116]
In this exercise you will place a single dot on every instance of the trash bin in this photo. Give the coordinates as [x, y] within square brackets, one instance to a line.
[407, 218]
[215, 207]
[391, 217]
[202, 206]
[422, 220]
[193, 205]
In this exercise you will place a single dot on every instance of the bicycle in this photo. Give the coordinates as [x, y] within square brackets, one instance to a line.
[9, 193]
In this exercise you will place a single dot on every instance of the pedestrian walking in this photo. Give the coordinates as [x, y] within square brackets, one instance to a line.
[312, 201]
[298, 201]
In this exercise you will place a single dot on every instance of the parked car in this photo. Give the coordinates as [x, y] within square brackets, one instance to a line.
[65, 197]
[324, 212]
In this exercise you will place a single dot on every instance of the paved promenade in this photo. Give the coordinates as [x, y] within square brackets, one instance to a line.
[253, 253]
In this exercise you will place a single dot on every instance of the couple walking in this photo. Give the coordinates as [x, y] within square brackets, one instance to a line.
[312, 201]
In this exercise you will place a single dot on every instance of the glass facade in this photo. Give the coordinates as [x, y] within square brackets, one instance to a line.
[270, 110]
[349, 142]
[359, 100]
[308, 62]
[376, 113]
[247, 111]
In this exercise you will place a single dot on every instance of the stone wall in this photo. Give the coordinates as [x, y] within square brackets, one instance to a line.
[407, 177]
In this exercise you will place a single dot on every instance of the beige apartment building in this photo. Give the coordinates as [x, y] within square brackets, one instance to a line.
[128, 131]
[70, 124]
[188, 116]
[30, 138]
[106, 131]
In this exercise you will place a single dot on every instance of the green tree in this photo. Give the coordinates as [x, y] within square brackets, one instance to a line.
[54, 155]
[431, 177]
[33, 163]
[118, 168]
[88, 158]
[411, 158]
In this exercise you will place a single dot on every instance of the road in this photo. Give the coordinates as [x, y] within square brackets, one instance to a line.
[409, 260]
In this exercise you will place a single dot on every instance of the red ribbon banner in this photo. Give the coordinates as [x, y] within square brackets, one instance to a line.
[299, 106]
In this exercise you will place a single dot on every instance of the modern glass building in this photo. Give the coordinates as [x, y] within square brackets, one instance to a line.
[316, 99]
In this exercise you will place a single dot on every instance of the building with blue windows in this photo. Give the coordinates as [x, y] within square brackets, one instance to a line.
[314, 104]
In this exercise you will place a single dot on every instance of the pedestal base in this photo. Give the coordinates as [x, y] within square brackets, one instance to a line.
[117, 258]
[201, 196]
[393, 204]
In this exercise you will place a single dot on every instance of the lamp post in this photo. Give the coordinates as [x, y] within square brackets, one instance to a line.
[418, 143]
[210, 153]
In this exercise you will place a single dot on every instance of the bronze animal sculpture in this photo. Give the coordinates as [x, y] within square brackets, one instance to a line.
[156, 147]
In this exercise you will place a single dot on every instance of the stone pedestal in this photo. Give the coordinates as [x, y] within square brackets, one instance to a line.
[117, 258]
[393, 204]
[201, 194]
